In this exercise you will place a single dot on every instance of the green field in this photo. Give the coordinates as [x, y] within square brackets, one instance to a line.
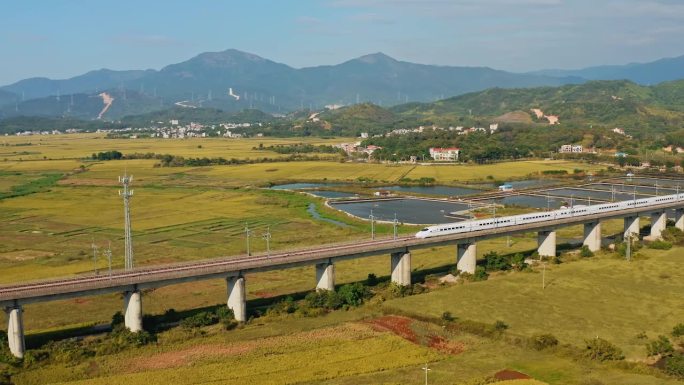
[189, 213]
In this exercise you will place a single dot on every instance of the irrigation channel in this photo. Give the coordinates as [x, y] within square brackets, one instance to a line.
[444, 204]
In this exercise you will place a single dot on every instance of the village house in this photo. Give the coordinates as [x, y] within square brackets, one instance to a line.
[444, 154]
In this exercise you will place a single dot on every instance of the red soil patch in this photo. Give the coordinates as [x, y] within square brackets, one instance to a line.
[400, 326]
[508, 374]
[445, 346]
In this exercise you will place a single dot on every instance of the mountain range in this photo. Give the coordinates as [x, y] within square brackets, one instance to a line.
[207, 80]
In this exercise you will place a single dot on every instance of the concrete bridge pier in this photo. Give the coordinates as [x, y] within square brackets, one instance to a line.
[547, 243]
[658, 223]
[679, 219]
[15, 330]
[325, 276]
[133, 316]
[466, 257]
[631, 227]
[401, 268]
[237, 300]
[592, 235]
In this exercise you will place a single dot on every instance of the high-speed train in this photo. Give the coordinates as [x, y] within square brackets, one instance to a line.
[491, 223]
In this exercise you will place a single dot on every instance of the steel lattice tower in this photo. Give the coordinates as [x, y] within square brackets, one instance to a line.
[128, 240]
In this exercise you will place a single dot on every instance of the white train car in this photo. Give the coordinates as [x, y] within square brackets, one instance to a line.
[491, 223]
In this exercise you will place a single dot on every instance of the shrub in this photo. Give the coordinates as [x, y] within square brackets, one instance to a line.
[500, 325]
[200, 319]
[480, 274]
[678, 330]
[585, 252]
[659, 245]
[353, 294]
[601, 350]
[446, 316]
[496, 262]
[675, 365]
[659, 347]
[543, 341]
[372, 280]
[518, 260]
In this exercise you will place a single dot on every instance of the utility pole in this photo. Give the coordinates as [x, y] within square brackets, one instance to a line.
[128, 239]
[267, 237]
[372, 219]
[395, 225]
[248, 234]
[108, 254]
[426, 369]
[628, 252]
[543, 275]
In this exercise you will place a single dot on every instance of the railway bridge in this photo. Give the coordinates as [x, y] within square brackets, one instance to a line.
[233, 269]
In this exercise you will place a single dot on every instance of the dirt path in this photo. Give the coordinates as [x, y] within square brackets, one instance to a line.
[107, 100]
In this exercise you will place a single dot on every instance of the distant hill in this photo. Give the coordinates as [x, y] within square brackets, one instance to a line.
[84, 106]
[643, 73]
[619, 103]
[257, 83]
[91, 82]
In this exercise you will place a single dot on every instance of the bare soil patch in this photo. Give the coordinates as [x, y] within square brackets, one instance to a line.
[508, 374]
[445, 346]
[400, 326]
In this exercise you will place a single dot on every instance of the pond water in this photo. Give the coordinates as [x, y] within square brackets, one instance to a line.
[651, 181]
[579, 193]
[646, 190]
[433, 190]
[537, 202]
[407, 210]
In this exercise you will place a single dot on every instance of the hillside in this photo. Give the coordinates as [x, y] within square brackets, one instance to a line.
[85, 106]
[206, 79]
[611, 103]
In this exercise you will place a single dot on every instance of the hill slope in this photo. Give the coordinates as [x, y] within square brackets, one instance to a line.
[618, 103]
[274, 87]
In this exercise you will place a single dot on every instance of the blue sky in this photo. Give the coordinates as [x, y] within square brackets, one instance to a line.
[59, 38]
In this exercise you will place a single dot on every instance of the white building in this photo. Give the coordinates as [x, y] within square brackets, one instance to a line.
[445, 154]
[570, 148]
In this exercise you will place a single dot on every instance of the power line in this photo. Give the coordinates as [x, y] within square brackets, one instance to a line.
[128, 241]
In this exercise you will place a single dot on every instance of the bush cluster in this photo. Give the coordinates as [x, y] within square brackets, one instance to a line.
[349, 295]
[659, 245]
[222, 314]
[601, 350]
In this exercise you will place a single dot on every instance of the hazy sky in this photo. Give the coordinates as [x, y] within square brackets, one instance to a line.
[59, 38]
